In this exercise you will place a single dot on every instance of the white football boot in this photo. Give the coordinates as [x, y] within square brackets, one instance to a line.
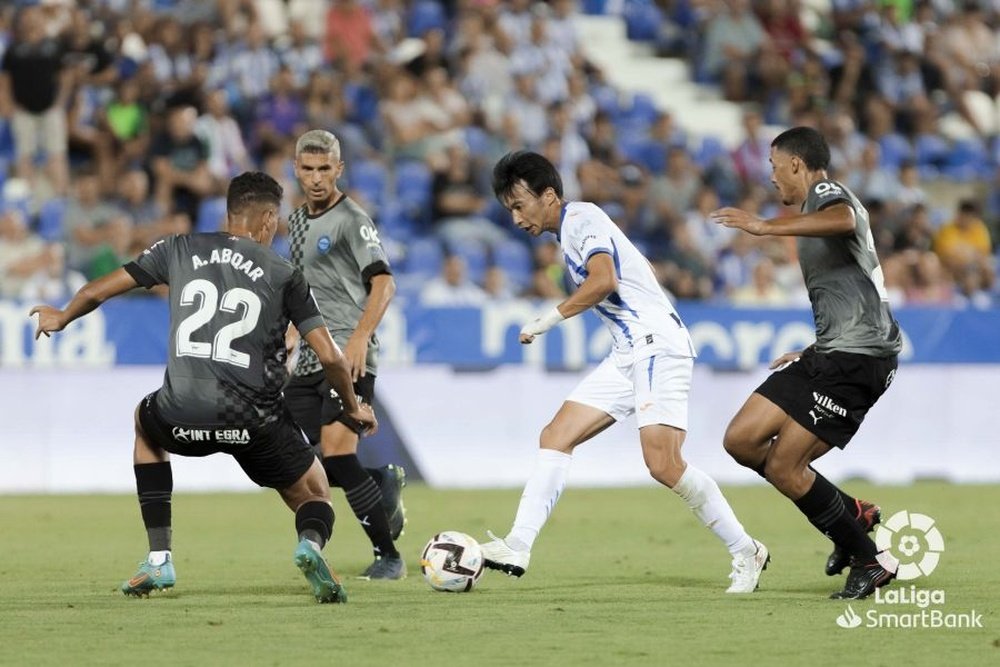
[747, 569]
[498, 555]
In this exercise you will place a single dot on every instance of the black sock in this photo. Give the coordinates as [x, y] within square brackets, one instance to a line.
[154, 482]
[850, 502]
[823, 505]
[365, 500]
[376, 475]
[314, 521]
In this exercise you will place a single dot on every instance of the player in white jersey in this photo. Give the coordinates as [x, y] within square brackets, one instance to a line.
[648, 372]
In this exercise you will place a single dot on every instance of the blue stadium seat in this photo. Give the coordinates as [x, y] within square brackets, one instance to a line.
[593, 7]
[369, 178]
[393, 222]
[895, 148]
[414, 188]
[643, 109]
[424, 258]
[642, 20]
[514, 257]
[711, 149]
[425, 15]
[475, 256]
[211, 215]
[50, 219]
[931, 150]
[967, 161]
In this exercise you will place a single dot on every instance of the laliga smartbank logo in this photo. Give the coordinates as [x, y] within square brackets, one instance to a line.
[915, 541]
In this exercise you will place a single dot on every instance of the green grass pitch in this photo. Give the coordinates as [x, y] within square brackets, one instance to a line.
[618, 577]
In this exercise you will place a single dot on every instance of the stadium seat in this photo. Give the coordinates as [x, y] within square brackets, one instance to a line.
[392, 221]
[424, 258]
[895, 149]
[967, 161]
[413, 189]
[930, 150]
[369, 178]
[425, 15]
[475, 256]
[211, 215]
[710, 150]
[50, 219]
[514, 257]
[643, 109]
[642, 20]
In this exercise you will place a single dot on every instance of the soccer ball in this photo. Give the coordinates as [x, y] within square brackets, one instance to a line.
[452, 562]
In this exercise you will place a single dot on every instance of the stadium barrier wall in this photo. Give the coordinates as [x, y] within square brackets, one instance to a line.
[464, 402]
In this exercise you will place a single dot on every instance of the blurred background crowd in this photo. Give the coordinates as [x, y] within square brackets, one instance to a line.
[122, 120]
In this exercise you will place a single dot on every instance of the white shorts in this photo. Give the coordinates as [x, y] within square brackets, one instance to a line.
[655, 389]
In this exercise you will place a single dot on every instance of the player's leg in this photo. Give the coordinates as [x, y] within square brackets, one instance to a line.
[789, 393]
[661, 386]
[279, 458]
[788, 469]
[309, 498]
[339, 446]
[573, 424]
[154, 486]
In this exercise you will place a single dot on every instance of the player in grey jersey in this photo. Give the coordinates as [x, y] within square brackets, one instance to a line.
[231, 300]
[336, 245]
[819, 397]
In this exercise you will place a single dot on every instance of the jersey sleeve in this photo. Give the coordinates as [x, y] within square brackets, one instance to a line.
[366, 247]
[152, 267]
[826, 193]
[585, 238]
[300, 306]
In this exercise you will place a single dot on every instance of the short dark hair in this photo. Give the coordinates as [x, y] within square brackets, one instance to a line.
[250, 189]
[806, 144]
[534, 169]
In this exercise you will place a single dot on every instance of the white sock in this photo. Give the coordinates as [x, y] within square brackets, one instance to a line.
[703, 496]
[539, 498]
[158, 557]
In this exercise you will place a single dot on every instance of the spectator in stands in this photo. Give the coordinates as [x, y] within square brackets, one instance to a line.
[497, 285]
[148, 220]
[281, 113]
[763, 290]
[548, 281]
[349, 34]
[852, 80]
[219, 132]
[911, 191]
[100, 236]
[459, 200]
[253, 63]
[783, 25]
[413, 131]
[915, 232]
[301, 54]
[24, 256]
[733, 39]
[752, 157]
[34, 87]
[179, 162]
[673, 193]
[964, 247]
[871, 180]
[125, 121]
[531, 114]
[452, 288]
[930, 285]
[709, 237]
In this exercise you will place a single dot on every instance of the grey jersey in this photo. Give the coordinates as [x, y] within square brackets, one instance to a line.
[231, 300]
[845, 284]
[339, 252]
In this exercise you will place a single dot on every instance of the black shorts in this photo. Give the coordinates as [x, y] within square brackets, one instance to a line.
[829, 393]
[313, 403]
[274, 455]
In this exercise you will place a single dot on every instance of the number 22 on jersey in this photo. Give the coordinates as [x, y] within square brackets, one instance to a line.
[220, 349]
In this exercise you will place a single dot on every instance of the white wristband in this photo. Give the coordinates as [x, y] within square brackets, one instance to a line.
[540, 325]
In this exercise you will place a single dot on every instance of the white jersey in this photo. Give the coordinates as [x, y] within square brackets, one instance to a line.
[641, 319]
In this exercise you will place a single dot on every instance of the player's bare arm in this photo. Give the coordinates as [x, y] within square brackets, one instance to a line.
[89, 297]
[600, 282]
[383, 288]
[835, 220]
[338, 374]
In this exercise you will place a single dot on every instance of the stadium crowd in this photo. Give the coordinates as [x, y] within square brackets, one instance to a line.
[122, 121]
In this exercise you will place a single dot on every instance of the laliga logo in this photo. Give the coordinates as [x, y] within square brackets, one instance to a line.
[914, 540]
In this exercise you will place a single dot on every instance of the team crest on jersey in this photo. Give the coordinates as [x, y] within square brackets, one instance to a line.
[323, 244]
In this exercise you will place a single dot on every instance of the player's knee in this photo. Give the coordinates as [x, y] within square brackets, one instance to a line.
[780, 473]
[737, 443]
[552, 437]
[667, 472]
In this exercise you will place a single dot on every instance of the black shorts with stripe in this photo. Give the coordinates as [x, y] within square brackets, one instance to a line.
[274, 454]
[313, 403]
[829, 393]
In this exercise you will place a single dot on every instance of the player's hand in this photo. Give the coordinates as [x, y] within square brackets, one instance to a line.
[540, 325]
[356, 353]
[525, 338]
[739, 219]
[363, 420]
[49, 320]
[785, 359]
